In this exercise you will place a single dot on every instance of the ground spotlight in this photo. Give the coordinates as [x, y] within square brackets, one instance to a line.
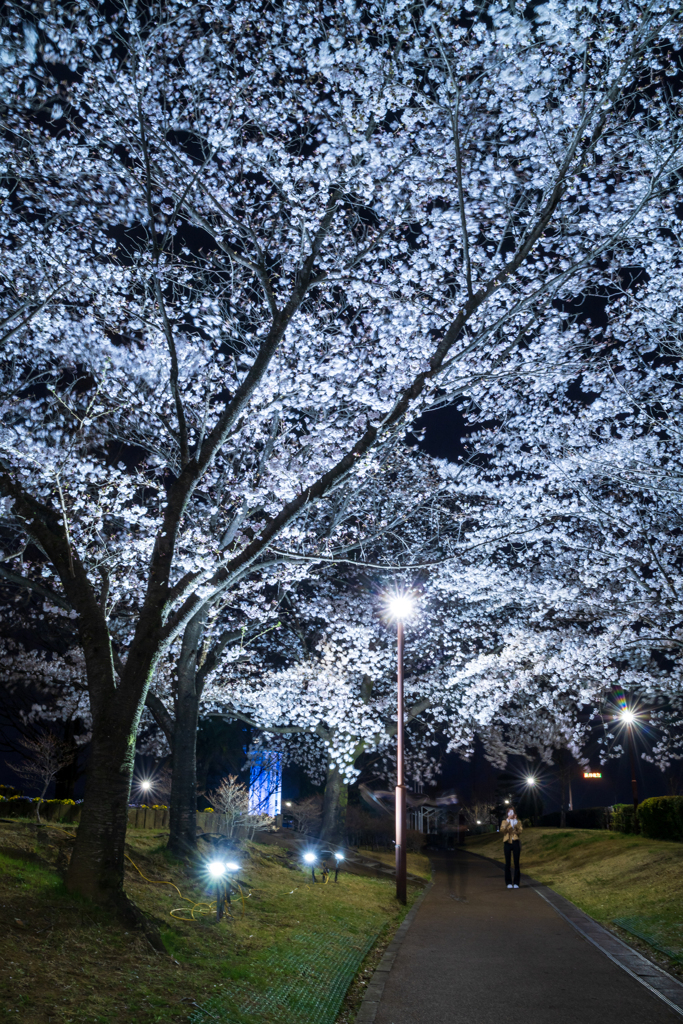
[217, 868]
[339, 856]
[231, 866]
[310, 857]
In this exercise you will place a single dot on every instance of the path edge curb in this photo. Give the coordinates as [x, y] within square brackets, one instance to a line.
[601, 938]
[370, 1004]
[658, 980]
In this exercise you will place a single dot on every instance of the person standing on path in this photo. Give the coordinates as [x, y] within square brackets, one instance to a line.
[511, 827]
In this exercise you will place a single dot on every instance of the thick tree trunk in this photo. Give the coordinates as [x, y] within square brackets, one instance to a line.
[97, 863]
[334, 807]
[183, 834]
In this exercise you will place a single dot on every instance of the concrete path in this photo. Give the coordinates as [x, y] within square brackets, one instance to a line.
[478, 953]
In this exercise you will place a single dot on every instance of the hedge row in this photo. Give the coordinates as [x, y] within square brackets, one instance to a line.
[50, 810]
[659, 817]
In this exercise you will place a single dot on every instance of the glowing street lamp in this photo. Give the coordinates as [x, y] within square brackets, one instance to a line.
[400, 607]
[530, 780]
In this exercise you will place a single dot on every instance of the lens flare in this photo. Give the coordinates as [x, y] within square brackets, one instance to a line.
[400, 606]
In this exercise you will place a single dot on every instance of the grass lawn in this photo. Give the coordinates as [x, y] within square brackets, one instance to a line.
[613, 877]
[417, 863]
[65, 961]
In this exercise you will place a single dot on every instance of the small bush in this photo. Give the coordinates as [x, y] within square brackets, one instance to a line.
[661, 817]
[623, 819]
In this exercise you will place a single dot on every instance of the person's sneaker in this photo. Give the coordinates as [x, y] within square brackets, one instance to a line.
[509, 886]
[514, 887]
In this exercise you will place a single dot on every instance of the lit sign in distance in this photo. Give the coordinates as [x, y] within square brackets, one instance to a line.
[592, 775]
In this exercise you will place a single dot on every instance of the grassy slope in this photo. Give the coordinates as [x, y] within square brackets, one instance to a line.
[417, 863]
[608, 875]
[64, 960]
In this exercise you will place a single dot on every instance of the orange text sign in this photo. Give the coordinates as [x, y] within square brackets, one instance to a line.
[592, 775]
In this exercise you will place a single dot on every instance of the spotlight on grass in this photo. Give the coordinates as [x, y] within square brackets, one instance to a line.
[216, 868]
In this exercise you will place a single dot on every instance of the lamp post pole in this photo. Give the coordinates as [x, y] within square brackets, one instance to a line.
[634, 781]
[401, 882]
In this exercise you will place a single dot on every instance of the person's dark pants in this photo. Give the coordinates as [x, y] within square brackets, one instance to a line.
[512, 850]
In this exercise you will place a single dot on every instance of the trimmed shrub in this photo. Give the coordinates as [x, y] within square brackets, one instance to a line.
[661, 817]
[622, 818]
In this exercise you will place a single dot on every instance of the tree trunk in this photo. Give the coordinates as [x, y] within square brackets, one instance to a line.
[334, 807]
[97, 863]
[563, 804]
[183, 833]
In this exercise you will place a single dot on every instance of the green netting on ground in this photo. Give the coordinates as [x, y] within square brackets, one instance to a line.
[661, 931]
[307, 981]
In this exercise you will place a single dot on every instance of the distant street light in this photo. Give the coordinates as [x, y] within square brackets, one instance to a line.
[401, 607]
[530, 780]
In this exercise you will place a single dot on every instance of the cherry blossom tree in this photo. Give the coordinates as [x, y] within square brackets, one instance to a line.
[283, 230]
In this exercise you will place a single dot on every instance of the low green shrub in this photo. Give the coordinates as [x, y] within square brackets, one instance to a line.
[623, 819]
[661, 817]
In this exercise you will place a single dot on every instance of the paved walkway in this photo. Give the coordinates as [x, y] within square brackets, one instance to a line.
[478, 953]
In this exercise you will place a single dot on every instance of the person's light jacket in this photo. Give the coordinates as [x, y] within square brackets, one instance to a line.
[510, 831]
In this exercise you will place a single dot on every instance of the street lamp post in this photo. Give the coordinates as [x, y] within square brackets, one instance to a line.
[629, 719]
[400, 607]
[401, 881]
